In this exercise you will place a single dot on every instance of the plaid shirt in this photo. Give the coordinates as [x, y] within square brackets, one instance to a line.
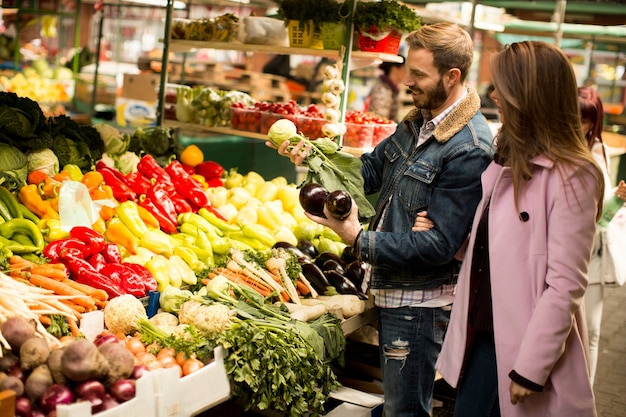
[436, 297]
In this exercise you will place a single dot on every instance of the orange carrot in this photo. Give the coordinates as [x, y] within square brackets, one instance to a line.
[73, 327]
[95, 293]
[62, 289]
[71, 304]
[50, 272]
[238, 278]
[45, 320]
[302, 288]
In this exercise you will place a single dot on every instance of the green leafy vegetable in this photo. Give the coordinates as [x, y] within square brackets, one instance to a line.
[328, 165]
[13, 167]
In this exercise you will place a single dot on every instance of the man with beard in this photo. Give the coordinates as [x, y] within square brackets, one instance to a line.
[432, 163]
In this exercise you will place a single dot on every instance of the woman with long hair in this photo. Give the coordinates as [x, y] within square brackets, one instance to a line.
[592, 115]
[517, 341]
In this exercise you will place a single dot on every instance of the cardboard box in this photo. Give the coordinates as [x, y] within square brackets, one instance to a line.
[136, 105]
[354, 403]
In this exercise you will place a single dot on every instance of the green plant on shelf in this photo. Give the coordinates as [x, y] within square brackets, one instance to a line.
[386, 15]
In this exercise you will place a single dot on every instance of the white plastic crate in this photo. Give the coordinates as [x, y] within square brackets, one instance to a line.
[143, 405]
[194, 393]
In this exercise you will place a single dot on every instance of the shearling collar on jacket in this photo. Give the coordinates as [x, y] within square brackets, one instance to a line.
[455, 121]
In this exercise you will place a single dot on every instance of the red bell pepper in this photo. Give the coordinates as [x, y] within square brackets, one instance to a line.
[98, 261]
[164, 222]
[149, 167]
[149, 282]
[68, 246]
[180, 204]
[121, 191]
[130, 281]
[82, 272]
[111, 253]
[94, 240]
[160, 196]
[138, 182]
[209, 170]
[186, 185]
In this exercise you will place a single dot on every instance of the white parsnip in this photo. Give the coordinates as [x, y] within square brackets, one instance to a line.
[276, 264]
[350, 305]
[22, 299]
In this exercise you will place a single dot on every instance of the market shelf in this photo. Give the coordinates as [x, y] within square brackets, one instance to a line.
[179, 45]
[226, 131]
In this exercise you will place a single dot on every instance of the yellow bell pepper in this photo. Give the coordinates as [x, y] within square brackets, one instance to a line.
[129, 215]
[117, 232]
[51, 229]
[159, 267]
[74, 172]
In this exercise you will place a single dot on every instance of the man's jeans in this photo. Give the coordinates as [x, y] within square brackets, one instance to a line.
[410, 340]
[478, 388]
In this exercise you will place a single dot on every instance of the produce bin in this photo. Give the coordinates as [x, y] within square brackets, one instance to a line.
[245, 154]
[194, 393]
[143, 405]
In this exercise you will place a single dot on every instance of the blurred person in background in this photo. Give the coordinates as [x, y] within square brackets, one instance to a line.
[600, 272]
[383, 98]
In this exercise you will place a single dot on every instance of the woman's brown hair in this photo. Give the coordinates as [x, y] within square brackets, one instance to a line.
[537, 92]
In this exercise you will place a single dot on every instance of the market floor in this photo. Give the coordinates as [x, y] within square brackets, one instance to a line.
[610, 383]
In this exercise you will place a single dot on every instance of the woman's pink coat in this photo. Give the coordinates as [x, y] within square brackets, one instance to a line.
[538, 279]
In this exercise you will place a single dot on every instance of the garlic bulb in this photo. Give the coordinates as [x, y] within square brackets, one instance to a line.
[330, 72]
[333, 129]
[330, 100]
[331, 115]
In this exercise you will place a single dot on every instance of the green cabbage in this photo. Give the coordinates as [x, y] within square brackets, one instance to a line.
[13, 167]
[43, 160]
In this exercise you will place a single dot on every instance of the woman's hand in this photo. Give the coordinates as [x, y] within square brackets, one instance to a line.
[422, 222]
[347, 229]
[621, 190]
[518, 393]
[297, 154]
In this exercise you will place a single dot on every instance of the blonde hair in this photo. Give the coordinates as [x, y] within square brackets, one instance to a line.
[451, 46]
[537, 92]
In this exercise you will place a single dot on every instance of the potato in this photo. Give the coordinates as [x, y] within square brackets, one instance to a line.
[8, 360]
[121, 361]
[34, 352]
[81, 360]
[38, 382]
[16, 330]
[13, 383]
[54, 365]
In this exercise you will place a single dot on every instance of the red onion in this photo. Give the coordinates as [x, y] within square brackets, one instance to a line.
[138, 371]
[23, 407]
[103, 338]
[109, 402]
[123, 389]
[90, 389]
[56, 394]
[38, 413]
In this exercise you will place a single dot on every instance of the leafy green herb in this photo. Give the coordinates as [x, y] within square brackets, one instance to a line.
[58, 326]
[386, 14]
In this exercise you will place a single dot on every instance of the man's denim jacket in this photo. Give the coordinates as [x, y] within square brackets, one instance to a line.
[442, 176]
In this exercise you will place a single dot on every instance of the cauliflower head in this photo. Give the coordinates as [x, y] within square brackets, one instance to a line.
[212, 318]
[122, 313]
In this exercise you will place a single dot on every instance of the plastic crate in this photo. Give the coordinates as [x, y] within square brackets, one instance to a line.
[358, 135]
[141, 406]
[382, 131]
[379, 42]
[194, 393]
[246, 119]
[311, 127]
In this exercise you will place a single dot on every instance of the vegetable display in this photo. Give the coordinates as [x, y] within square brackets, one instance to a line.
[219, 249]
